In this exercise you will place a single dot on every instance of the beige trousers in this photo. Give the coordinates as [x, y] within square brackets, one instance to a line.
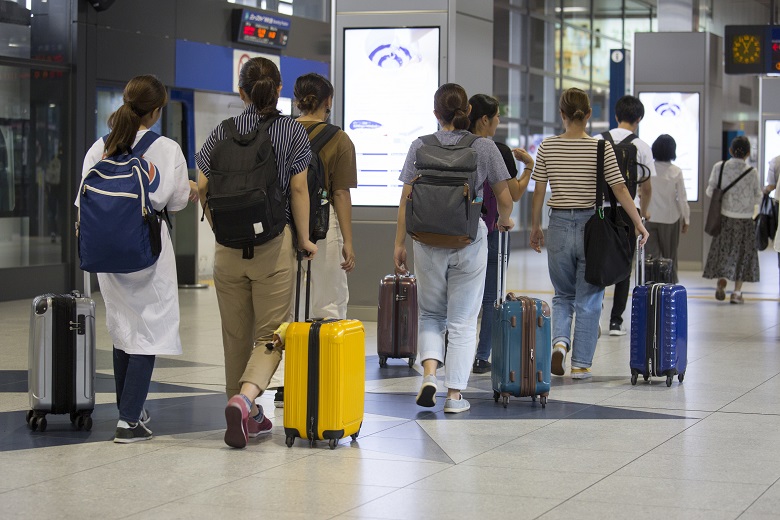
[254, 299]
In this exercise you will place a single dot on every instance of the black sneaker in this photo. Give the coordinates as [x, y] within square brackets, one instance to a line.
[131, 433]
[481, 366]
[279, 398]
[616, 329]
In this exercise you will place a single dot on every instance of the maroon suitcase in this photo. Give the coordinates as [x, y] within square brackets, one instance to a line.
[397, 319]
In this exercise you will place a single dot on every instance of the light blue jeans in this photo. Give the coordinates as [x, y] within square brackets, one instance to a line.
[573, 295]
[450, 285]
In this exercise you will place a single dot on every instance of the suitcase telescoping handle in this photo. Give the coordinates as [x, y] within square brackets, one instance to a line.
[87, 285]
[299, 255]
[503, 260]
[640, 260]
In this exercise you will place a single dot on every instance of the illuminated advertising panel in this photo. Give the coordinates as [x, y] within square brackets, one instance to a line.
[676, 114]
[390, 77]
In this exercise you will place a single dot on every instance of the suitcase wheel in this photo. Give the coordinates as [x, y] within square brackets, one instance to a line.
[411, 361]
[84, 422]
[505, 400]
[543, 400]
[354, 436]
[383, 361]
[29, 416]
[496, 395]
[668, 380]
[333, 443]
[634, 377]
[289, 441]
[646, 376]
[37, 423]
[680, 377]
[533, 398]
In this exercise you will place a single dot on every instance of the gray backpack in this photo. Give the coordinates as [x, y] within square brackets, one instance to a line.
[443, 209]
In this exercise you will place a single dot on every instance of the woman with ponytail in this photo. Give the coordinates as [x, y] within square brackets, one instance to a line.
[336, 257]
[484, 122]
[568, 162]
[254, 293]
[733, 254]
[142, 308]
[451, 281]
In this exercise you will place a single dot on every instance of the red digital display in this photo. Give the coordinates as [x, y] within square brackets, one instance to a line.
[258, 28]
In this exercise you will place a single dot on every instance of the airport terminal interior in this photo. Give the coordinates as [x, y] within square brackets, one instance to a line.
[702, 448]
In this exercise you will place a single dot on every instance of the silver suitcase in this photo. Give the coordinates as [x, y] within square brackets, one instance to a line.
[61, 373]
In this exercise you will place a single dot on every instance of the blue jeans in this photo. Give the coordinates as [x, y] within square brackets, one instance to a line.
[573, 295]
[450, 285]
[133, 375]
[489, 297]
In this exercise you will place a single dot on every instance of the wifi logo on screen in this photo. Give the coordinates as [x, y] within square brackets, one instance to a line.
[668, 109]
[390, 56]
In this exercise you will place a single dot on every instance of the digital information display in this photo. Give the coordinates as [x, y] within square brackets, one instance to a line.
[254, 28]
[752, 49]
[676, 114]
[390, 77]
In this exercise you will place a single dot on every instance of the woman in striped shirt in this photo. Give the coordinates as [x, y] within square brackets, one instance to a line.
[254, 294]
[568, 163]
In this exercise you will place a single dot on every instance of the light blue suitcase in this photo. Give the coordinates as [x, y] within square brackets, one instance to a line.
[521, 341]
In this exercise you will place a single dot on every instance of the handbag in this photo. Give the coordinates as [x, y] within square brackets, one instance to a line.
[712, 224]
[766, 222]
[607, 245]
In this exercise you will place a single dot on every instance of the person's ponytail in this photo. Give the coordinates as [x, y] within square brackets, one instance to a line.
[142, 95]
[260, 80]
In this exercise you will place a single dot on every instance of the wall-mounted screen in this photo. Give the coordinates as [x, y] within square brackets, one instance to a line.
[676, 114]
[390, 77]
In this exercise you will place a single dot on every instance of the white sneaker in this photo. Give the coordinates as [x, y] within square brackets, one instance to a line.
[558, 365]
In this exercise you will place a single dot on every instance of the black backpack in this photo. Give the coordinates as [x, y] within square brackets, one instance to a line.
[633, 171]
[319, 210]
[246, 202]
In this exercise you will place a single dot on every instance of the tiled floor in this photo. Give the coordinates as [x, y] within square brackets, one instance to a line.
[707, 448]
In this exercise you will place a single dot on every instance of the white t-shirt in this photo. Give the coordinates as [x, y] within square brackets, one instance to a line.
[142, 308]
[644, 155]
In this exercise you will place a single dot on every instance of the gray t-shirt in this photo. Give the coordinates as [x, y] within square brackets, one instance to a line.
[490, 164]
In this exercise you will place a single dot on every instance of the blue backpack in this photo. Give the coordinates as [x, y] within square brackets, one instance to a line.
[118, 229]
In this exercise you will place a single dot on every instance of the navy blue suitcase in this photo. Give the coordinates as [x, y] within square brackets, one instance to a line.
[659, 330]
[522, 342]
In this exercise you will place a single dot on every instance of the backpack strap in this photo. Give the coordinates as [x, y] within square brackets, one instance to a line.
[432, 140]
[321, 139]
[468, 139]
[630, 137]
[145, 142]
[608, 137]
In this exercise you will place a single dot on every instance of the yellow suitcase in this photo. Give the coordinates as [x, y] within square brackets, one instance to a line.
[324, 374]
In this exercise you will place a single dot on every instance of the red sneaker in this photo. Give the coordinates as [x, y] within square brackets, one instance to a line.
[255, 428]
[236, 417]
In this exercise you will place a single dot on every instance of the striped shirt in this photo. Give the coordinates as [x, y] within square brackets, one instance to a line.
[288, 137]
[569, 165]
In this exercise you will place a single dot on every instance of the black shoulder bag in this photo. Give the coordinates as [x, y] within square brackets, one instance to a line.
[607, 245]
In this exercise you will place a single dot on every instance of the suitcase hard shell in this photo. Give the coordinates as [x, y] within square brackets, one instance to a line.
[61, 369]
[658, 270]
[324, 375]
[659, 332]
[522, 351]
[397, 318]
[522, 343]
